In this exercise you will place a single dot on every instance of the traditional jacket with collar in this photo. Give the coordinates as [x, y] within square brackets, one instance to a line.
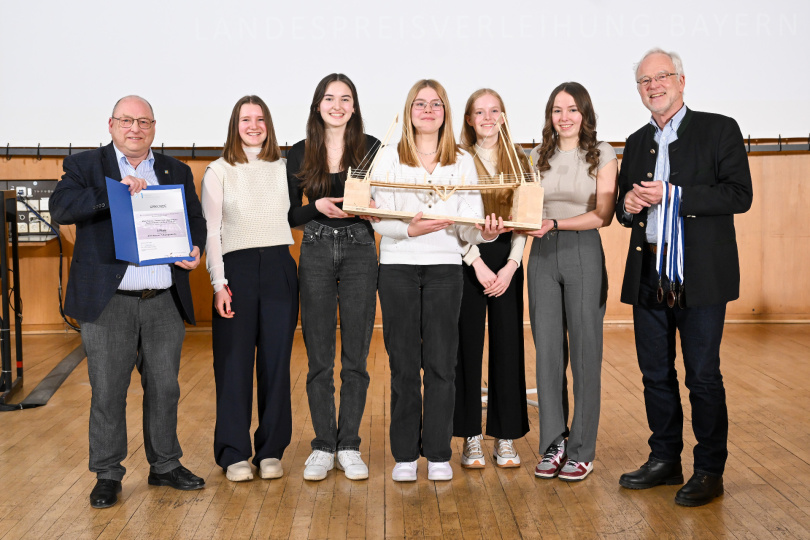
[709, 162]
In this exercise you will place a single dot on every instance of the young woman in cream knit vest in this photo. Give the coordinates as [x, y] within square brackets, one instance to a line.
[245, 202]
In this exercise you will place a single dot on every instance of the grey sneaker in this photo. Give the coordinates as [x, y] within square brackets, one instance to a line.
[505, 454]
[473, 455]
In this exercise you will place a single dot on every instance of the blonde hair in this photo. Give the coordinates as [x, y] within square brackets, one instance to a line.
[448, 150]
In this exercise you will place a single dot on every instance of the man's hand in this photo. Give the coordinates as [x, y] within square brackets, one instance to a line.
[190, 265]
[419, 226]
[328, 207]
[650, 192]
[135, 184]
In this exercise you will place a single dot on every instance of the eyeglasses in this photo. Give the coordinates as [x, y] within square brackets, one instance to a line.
[126, 122]
[435, 105]
[659, 77]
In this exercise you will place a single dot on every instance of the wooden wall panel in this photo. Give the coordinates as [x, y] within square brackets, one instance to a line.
[773, 239]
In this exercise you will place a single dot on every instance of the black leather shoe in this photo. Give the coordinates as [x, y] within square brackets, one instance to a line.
[105, 494]
[653, 473]
[700, 490]
[179, 478]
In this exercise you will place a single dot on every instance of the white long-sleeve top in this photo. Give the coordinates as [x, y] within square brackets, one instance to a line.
[245, 206]
[441, 247]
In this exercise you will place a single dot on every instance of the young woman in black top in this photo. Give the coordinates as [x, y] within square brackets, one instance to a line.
[337, 267]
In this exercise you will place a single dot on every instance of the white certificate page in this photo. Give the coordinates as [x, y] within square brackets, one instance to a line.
[160, 224]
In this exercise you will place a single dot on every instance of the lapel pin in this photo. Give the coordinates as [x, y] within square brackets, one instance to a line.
[166, 172]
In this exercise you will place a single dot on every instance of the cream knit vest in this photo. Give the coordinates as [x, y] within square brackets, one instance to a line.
[255, 204]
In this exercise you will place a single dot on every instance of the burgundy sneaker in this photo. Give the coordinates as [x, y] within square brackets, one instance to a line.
[575, 471]
[553, 460]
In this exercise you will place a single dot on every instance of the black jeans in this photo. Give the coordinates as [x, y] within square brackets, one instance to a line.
[337, 267]
[420, 307]
[507, 415]
[701, 329]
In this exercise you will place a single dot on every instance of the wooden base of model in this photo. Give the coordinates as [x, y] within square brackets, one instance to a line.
[527, 203]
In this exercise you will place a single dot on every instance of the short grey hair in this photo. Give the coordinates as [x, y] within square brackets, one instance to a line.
[675, 57]
[133, 96]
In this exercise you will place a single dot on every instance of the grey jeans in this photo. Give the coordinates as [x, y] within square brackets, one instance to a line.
[132, 331]
[337, 268]
[568, 290]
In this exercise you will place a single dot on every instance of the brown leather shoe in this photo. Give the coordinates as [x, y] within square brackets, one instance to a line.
[701, 489]
[105, 493]
[653, 473]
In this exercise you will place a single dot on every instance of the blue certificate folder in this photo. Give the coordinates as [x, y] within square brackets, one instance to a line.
[123, 222]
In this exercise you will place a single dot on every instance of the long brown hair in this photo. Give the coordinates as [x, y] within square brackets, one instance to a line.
[448, 150]
[314, 173]
[233, 152]
[587, 130]
[500, 200]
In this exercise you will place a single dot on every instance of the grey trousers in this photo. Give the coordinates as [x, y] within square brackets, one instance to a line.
[567, 284]
[132, 331]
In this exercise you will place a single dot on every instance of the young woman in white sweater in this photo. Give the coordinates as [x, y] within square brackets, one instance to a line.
[420, 281]
[245, 202]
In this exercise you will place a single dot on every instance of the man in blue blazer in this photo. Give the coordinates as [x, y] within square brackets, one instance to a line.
[704, 155]
[130, 315]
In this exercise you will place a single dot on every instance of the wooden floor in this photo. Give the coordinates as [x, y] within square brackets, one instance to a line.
[44, 481]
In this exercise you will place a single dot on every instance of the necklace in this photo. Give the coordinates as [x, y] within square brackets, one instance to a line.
[426, 153]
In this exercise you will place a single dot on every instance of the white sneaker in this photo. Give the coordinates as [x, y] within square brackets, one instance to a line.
[473, 455]
[239, 472]
[270, 468]
[404, 471]
[350, 462]
[505, 454]
[440, 470]
[318, 464]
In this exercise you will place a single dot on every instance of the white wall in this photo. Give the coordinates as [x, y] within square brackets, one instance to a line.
[64, 64]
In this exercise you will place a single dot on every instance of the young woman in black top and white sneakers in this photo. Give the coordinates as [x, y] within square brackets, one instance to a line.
[337, 267]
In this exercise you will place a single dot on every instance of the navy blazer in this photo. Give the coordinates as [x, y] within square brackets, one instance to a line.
[80, 198]
[709, 162]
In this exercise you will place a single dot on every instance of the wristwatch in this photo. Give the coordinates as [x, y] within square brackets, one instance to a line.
[554, 228]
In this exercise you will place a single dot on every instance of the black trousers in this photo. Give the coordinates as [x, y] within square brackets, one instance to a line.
[264, 284]
[507, 415]
[701, 331]
[420, 315]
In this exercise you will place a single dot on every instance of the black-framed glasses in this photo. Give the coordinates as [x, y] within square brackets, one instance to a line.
[435, 105]
[658, 77]
[126, 122]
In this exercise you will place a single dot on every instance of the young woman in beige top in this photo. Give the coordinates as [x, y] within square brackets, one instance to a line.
[567, 279]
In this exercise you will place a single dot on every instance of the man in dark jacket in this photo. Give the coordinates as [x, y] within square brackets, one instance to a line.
[129, 314]
[700, 158]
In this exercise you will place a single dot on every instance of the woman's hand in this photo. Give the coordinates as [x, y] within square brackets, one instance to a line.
[545, 226]
[419, 226]
[373, 219]
[222, 302]
[327, 206]
[503, 279]
[492, 228]
[485, 276]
